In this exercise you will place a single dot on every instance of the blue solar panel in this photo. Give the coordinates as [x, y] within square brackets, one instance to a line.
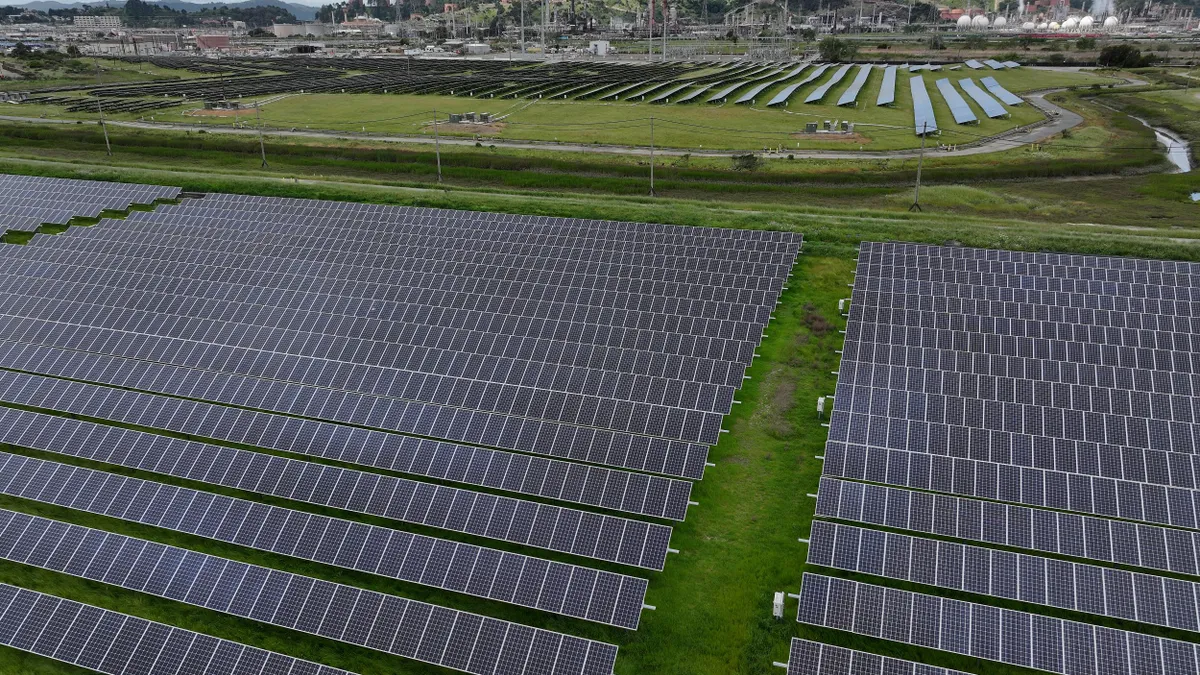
[787, 91]
[994, 64]
[1011, 64]
[663, 96]
[851, 94]
[758, 88]
[973, 64]
[991, 107]
[923, 120]
[724, 93]
[958, 107]
[1000, 92]
[819, 93]
[887, 90]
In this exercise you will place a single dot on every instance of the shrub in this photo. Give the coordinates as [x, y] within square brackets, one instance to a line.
[1123, 56]
[836, 49]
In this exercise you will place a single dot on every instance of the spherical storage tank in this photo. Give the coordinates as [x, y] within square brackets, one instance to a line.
[1043, 26]
[964, 21]
[1028, 25]
[980, 21]
[1086, 23]
[1070, 24]
[1054, 25]
[1111, 22]
[1000, 22]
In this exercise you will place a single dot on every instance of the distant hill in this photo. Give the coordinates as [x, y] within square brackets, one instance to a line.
[302, 12]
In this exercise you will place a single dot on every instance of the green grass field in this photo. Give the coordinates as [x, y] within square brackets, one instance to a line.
[694, 126]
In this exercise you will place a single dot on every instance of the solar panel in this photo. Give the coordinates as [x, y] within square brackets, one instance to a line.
[754, 91]
[819, 93]
[1000, 92]
[1089, 589]
[959, 109]
[505, 518]
[105, 641]
[786, 93]
[851, 94]
[973, 64]
[923, 118]
[993, 64]
[1068, 534]
[724, 92]
[817, 658]
[887, 89]
[990, 106]
[555, 479]
[386, 623]
[559, 588]
[1003, 635]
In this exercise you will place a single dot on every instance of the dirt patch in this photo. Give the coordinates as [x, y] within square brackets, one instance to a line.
[835, 138]
[218, 113]
[493, 129]
[816, 322]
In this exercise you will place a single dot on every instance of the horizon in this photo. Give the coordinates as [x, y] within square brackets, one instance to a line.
[26, 3]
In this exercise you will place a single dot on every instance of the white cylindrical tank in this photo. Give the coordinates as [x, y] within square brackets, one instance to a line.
[1111, 22]
[964, 21]
[980, 21]
[1071, 23]
[1043, 26]
[1028, 25]
[1000, 22]
[1054, 25]
[1086, 23]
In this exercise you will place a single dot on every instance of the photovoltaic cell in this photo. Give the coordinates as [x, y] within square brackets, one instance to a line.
[958, 107]
[105, 641]
[413, 629]
[817, 658]
[887, 89]
[924, 121]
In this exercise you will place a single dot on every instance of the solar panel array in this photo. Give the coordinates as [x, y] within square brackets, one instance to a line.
[30, 202]
[110, 642]
[815, 658]
[1014, 427]
[849, 96]
[819, 93]
[489, 375]
[990, 106]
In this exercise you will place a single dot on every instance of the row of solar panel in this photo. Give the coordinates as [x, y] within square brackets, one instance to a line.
[432, 376]
[1093, 262]
[568, 237]
[739, 326]
[1074, 385]
[990, 633]
[641, 453]
[1134, 314]
[932, 423]
[1119, 594]
[814, 658]
[422, 318]
[518, 521]
[110, 642]
[1064, 456]
[387, 623]
[583, 593]
[1124, 286]
[1088, 537]
[390, 361]
[1141, 502]
[81, 186]
[432, 341]
[555, 479]
[467, 402]
[494, 221]
[881, 263]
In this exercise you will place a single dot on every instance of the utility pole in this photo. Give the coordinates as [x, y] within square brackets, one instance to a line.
[916, 205]
[100, 108]
[522, 26]
[437, 146]
[651, 156]
[262, 146]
